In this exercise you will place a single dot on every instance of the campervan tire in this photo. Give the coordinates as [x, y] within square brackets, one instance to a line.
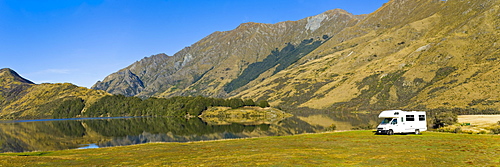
[417, 132]
[390, 132]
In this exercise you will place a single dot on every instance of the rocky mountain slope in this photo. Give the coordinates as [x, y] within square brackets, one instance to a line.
[208, 65]
[409, 54]
[22, 99]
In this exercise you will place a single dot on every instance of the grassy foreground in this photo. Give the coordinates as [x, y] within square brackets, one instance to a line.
[359, 148]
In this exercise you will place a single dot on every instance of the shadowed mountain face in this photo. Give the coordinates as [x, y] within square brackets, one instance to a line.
[409, 54]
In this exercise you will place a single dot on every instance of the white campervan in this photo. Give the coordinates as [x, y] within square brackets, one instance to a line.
[397, 121]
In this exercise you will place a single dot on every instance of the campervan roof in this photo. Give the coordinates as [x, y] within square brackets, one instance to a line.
[390, 114]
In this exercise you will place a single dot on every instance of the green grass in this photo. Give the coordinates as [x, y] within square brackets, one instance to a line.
[358, 148]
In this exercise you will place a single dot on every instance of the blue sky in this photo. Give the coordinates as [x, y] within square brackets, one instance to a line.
[83, 41]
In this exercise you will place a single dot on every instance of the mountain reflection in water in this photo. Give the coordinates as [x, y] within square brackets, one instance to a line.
[93, 133]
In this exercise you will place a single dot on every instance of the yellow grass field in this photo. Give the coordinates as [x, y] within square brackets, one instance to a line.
[352, 148]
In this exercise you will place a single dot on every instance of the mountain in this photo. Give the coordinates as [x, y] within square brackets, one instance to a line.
[414, 55]
[409, 54]
[208, 65]
[22, 99]
[10, 77]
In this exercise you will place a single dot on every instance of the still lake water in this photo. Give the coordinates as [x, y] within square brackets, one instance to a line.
[47, 135]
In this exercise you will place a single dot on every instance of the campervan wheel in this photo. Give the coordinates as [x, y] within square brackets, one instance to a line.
[390, 132]
[417, 132]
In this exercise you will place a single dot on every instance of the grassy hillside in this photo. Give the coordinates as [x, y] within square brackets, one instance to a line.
[415, 55]
[40, 101]
[22, 99]
[358, 148]
[411, 55]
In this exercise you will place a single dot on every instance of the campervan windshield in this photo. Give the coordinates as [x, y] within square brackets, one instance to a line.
[386, 121]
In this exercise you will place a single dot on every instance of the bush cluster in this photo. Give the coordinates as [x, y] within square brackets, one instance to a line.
[119, 105]
[495, 129]
[442, 119]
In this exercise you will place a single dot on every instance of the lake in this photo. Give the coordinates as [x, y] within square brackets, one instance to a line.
[60, 134]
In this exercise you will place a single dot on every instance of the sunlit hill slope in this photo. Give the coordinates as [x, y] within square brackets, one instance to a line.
[22, 99]
[409, 54]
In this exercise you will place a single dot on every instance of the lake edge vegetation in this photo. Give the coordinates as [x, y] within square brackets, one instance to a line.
[120, 105]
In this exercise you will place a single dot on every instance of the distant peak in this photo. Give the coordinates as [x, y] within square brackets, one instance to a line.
[333, 12]
[6, 69]
[341, 11]
[9, 73]
[249, 24]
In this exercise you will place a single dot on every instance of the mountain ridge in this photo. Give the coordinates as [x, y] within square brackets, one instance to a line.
[357, 68]
[246, 44]
[415, 55]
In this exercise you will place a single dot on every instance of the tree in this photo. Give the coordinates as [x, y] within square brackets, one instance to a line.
[325, 36]
[236, 103]
[444, 118]
[69, 108]
[263, 104]
[249, 102]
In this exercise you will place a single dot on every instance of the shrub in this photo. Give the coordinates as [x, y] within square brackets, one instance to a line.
[249, 102]
[332, 127]
[263, 104]
[495, 130]
[235, 103]
[451, 129]
[444, 118]
[325, 37]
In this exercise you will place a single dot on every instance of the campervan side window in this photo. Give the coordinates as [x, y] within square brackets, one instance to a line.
[421, 117]
[410, 118]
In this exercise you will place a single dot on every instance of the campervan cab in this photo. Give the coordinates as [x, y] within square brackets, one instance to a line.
[397, 121]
